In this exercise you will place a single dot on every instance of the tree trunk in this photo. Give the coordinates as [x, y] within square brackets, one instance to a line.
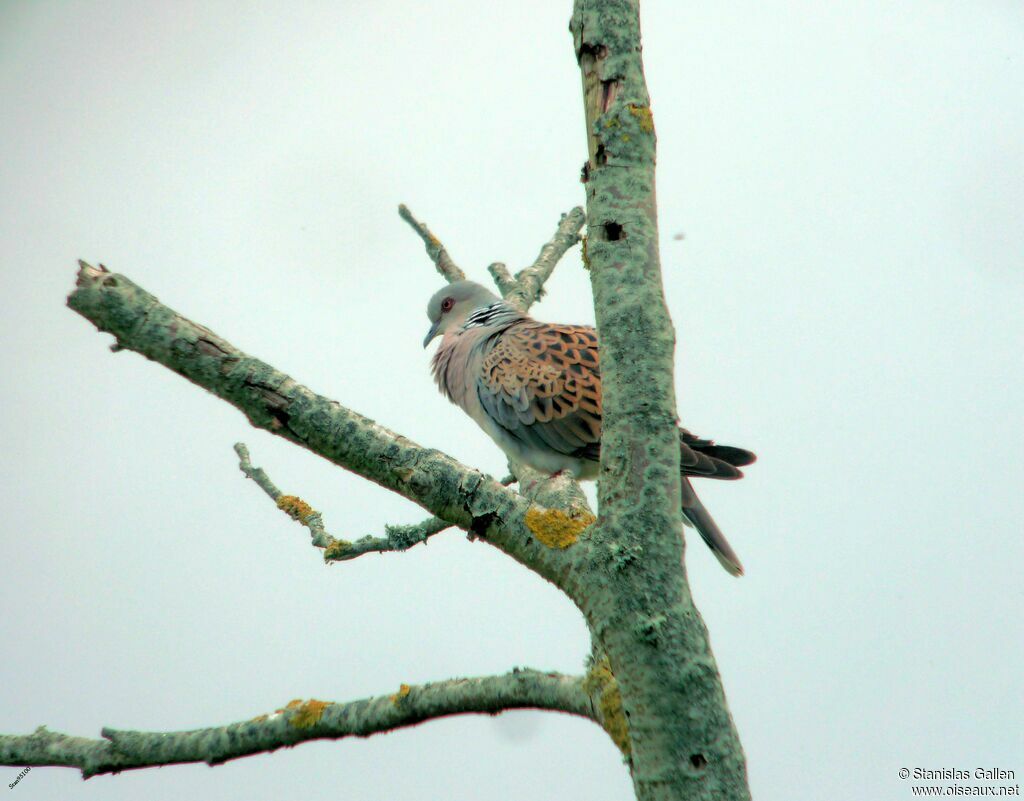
[682, 741]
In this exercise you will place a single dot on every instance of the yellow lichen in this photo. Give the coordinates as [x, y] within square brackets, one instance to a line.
[295, 507]
[555, 528]
[336, 549]
[601, 681]
[307, 714]
[259, 718]
[643, 114]
[403, 691]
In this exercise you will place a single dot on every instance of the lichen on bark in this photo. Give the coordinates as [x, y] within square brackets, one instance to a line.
[638, 604]
[653, 684]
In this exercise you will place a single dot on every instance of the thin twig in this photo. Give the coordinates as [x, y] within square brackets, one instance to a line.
[502, 278]
[528, 285]
[435, 249]
[396, 538]
[533, 278]
[292, 505]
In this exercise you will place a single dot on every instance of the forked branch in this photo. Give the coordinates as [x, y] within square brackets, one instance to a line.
[396, 537]
[273, 401]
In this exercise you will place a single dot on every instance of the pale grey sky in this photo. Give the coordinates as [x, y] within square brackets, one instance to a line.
[850, 182]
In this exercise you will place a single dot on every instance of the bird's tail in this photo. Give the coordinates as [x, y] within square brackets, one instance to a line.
[694, 514]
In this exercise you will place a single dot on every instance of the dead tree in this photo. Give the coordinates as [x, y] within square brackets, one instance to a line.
[651, 682]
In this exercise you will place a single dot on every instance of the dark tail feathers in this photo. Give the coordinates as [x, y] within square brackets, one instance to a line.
[697, 516]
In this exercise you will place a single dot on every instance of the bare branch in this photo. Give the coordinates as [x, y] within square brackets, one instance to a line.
[257, 474]
[502, 278]
[400, 537]
[528, 285]
[298, 722]
[435, 249]
[529, 282]
[277, 403]
[396, 538]
[292, 505]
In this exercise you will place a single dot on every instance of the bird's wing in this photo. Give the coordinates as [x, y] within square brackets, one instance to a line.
[542, 384]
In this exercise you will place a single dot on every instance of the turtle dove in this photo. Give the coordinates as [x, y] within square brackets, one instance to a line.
[535, 389]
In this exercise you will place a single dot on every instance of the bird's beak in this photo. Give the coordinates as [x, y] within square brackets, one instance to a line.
[431, 333]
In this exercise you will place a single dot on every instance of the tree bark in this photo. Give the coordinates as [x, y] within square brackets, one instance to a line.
[683, 744]
[298, 722]
[652, 682]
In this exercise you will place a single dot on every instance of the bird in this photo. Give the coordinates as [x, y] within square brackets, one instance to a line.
[535, 389]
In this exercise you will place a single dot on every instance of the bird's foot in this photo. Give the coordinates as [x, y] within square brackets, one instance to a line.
[533, 483]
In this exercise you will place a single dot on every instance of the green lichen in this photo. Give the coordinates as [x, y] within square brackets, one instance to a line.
[624, 555]
[649, 628]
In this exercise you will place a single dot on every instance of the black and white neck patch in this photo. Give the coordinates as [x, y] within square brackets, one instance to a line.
[488, 315]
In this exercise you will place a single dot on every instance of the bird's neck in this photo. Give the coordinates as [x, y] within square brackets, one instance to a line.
[458, 345]
[498, 314]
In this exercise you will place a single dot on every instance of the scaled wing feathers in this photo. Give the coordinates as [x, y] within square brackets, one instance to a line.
[542, 383]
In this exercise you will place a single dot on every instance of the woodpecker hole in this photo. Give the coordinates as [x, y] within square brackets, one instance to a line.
[613, 231]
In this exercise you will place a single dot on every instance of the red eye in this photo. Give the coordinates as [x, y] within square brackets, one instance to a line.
[446, 304]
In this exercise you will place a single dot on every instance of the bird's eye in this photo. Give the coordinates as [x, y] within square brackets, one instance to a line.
[446, 304]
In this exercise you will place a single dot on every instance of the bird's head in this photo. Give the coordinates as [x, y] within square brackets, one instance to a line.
[450, 307]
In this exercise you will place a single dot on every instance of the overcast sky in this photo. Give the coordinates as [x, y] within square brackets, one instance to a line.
[841, 190]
